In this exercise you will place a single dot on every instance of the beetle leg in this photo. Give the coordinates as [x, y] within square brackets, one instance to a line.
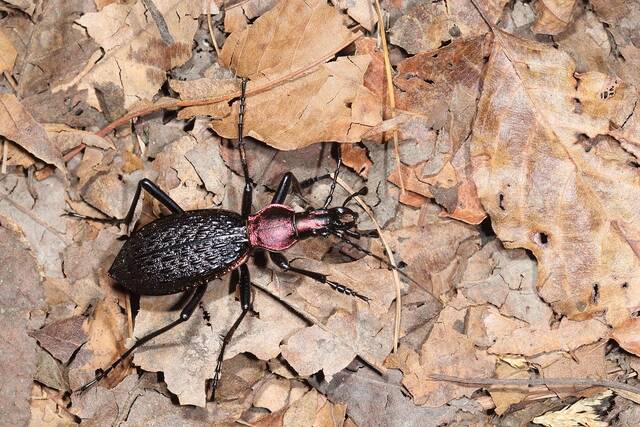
[144, 184]
[247, 193]
[288, 181]
[245, 302]
[282, 262]
[185, 314]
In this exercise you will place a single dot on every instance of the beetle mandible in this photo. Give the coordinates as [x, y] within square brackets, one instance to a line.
[183, 251]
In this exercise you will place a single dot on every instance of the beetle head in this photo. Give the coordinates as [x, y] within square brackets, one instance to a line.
[323, 222]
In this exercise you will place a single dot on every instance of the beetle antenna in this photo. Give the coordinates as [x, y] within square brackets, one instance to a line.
[361, 192]
[333, 185]
[354, 245]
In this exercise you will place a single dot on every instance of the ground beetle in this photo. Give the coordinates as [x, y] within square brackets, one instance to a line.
[185, 250]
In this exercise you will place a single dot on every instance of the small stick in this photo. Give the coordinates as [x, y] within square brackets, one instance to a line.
[5, 153]
[213, 39]
[390, 91]
[11, 80]
[396, 277]
[569, 382]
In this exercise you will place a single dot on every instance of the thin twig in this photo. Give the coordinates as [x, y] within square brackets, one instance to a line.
[11, 81]
[396, 277]
[569, 382]
[312, 319]
[213, 39]
[5, 154]
[390, 91]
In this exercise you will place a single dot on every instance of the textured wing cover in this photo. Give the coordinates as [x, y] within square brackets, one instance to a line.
[175, 252]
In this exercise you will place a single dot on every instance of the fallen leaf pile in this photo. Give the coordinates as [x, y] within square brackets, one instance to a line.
[511, 208]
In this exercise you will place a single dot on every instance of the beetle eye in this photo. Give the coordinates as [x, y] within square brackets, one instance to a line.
[343, 218]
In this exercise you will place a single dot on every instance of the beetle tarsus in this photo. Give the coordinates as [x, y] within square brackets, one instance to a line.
[106, 220]
[282, 262]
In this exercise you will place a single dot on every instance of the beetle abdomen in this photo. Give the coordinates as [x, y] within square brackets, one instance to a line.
[176, 252]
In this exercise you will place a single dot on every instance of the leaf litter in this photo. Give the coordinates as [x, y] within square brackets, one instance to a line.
[516, 223]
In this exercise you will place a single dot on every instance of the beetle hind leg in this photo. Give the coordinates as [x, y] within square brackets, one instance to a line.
[185, 314]
[245, 302]
[144, 184]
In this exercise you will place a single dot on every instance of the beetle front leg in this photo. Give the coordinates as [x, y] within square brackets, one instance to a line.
[247, 193]
[185, 314]
[245, 303]
[282, 262]
[144, 184]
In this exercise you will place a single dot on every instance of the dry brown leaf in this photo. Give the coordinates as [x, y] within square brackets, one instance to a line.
[626, 335]
[588, 44]
[313, 408]
[8, 54]
[26, 6]
[355, 157]
[62, 338]
[17, 125]
[136, 54]
[439, 91]
[273, 394]
[428, 26]
[40, 218]
[54, 49]
[565, 203]
[554, 16]
[438, 265]
[66, 138]
[20, 298]
[238, 16]
[585, 362]
[505, 279]
[520, 338]
[448, 351]
[178, 176]
[290, 36]
[330, 104]
[364, 328]
[372, 402]
[621, 19]
[505, 397]
[312, 349]
[111, 193]
[106, 331]
[363, 12]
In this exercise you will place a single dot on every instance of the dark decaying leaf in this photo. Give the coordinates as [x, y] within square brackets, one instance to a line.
[62, 338]
[21, 299]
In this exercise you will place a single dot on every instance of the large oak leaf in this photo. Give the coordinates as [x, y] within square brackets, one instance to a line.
[554, 182]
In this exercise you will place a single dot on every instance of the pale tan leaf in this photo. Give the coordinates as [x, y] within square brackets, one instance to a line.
[311, 350]
[626, 335]
[448, 350]
[17, 125]
[554, 16]
[288, 37]
[532, 340]
[8, 54]
[549, 194]
[428, 25]
[330, 104]
[136, 55]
